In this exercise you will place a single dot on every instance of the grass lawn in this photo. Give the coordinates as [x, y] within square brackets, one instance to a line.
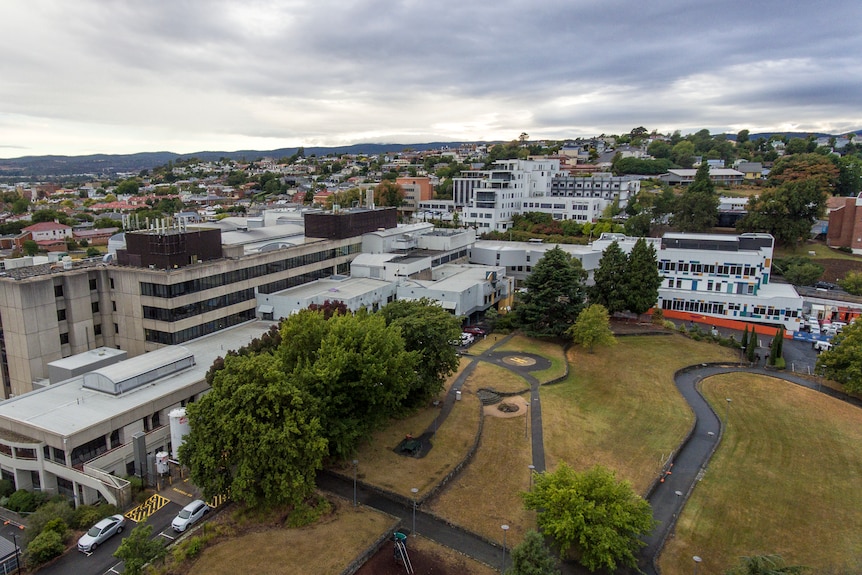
[498, 378]
[786, 479]
[328, 546]
[485, 495]
[551, 350]
[380, 465]
[821, 251]
[619, 406]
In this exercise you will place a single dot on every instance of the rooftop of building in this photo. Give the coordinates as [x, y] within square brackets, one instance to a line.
[335, 287]
[67, 408]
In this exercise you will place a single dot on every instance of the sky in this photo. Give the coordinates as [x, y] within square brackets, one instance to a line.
[115, 77]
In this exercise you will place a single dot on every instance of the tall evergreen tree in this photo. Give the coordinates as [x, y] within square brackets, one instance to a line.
[697, 207]
[744, 342]
[610, 279]
[555, 294]
[642, 279]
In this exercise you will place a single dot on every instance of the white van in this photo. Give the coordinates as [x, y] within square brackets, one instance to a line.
[822, 345]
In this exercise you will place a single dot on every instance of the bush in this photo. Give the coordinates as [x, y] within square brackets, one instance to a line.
[57, 526]
[43, 548]
[668, 324]
[780, 363]
[46, 515]
[23, 501]
[7, 488]
[87, 515]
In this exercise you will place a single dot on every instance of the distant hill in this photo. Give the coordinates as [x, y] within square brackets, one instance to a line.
[111, 164]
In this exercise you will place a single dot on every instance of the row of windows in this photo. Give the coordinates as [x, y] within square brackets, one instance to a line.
[726, 269]
[242, 274]
[182, 336]
[448, 258]
[197, 308]
[694, 306]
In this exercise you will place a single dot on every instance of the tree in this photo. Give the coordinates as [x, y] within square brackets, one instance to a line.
[849, 176]
[697, 207]
[44, 547]
[744, 342]
[610, 277]
[592, 514]
[388, 193]
[852, 282]
[765, 565]
[31, 248]
[820, 169]
[427, 330]
[642, 279]
[555, 294]
[682, 154]
[255, 423]
[787, 212]
[137, 549]
[355, 367]
[592, 328]
[800, 271]
[128, 188]
[532, 557]
[843, 362]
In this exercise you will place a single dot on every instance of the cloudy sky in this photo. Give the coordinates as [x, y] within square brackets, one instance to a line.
[104, 76]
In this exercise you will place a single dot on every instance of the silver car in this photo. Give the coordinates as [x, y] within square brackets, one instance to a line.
[189, 515]
[100, 532]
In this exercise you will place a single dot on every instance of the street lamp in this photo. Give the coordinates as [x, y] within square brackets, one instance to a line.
[355, 468]
[727, 412]
[697, 561]
[526, 419]
[504, 528]
[532, 468]
[414, 491]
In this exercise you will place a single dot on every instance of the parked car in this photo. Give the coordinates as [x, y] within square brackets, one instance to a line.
[100, 532]
[822, 345]
[189, 515]
[475, 330]
[826, 285]
[467, 338]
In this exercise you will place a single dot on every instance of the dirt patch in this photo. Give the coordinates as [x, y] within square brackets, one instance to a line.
[836, 269]
[425, 558]
[515, 401]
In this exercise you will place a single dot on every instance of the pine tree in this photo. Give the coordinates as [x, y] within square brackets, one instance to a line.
[642, 279]
[744, 342]
[609, 289]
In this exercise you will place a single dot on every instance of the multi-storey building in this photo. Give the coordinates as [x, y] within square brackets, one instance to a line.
[167, 287]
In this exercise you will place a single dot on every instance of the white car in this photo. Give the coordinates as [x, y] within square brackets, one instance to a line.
[189, 515]
[822, 345]
[100, 532]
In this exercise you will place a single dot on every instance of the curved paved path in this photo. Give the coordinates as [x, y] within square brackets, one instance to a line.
[667, 499]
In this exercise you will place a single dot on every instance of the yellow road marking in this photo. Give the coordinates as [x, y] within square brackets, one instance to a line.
[147, 508]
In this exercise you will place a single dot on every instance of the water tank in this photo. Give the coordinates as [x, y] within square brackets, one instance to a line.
[162, 466]
[179, 429]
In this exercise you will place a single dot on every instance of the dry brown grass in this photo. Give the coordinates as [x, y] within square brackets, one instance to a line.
[379, 465]
[485, 495]
[306, 551]
[490, 376]
[619, 406]
[786, 478]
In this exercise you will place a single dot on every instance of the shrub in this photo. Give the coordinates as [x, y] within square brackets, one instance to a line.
[58, 526]
[87, 515]
[23, 501]
[46, 515]
[668, 324]
[7, 488]
[780, 363]
[43, 548]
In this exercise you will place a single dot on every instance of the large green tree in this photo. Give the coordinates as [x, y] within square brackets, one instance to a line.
[427, 329]
[255, 435]
[555, 294]
[787, 212]
[697, 207]
[355, 366]
[642, 278]
[796, 167]
[591, 514]
[609, 287]
[843, 362]
[138, 549]
[532, 557]
[592, 328]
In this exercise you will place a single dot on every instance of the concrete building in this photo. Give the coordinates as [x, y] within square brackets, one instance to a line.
[75, 437]
[167, 287]
[723, 176]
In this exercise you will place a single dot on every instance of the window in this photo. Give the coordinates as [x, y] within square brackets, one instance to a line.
[58, 291]
[92, 284]
[97, 329]
[113, 305]
[116, 328]
[111, 280]
[94, 306]
[61, 315]
[64, 338]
